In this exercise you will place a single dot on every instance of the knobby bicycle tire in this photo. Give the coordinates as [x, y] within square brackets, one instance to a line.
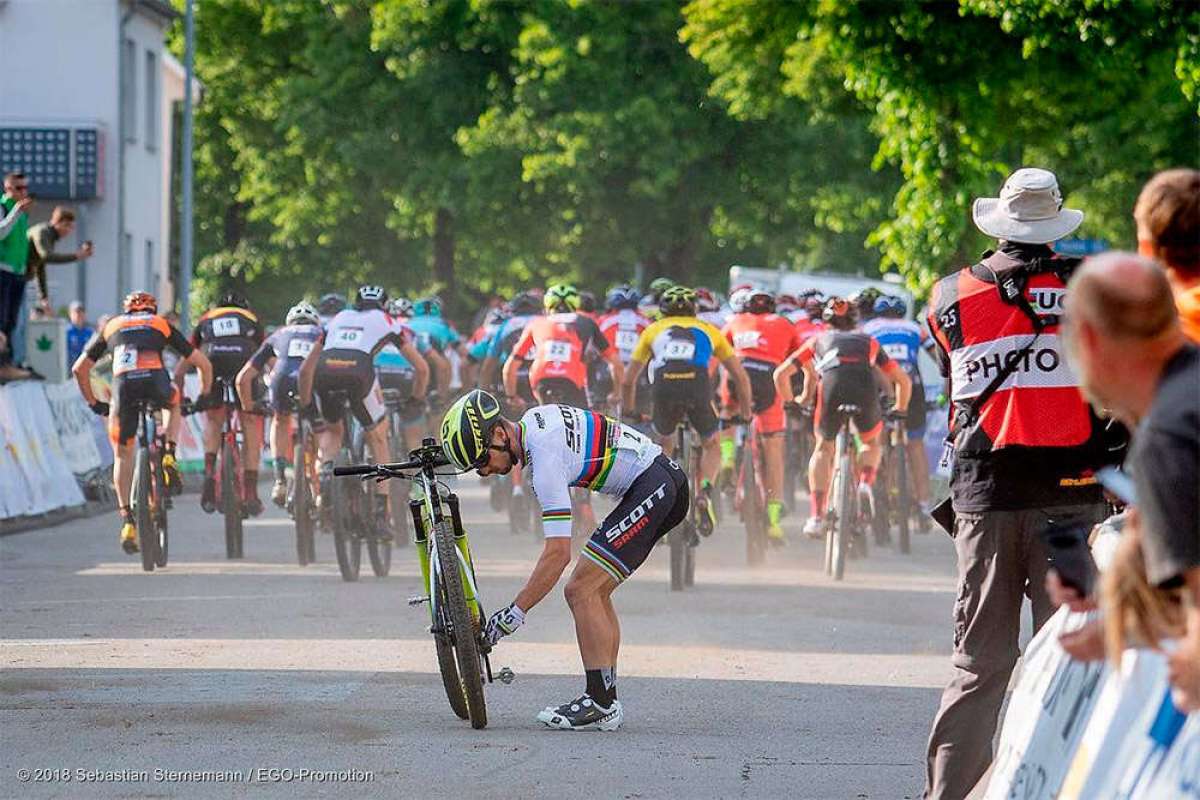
[466, 645]
[903, 500]
[753, 511]
[380, 554]
[845, 515]
[347, 546]
[161, 539]
[398, 490]
[677, 539]
[143, 518]
[231, 509]
[302, 502]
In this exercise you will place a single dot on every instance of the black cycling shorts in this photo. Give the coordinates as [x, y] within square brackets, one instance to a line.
[560, 390]
[917, 411]
[348, 375]
[762, 384]
[674, 401]
[847, 387]
[655, 502]
[284, 392]
[128, 390]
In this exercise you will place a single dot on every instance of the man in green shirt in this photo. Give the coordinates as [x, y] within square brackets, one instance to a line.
[14, 253]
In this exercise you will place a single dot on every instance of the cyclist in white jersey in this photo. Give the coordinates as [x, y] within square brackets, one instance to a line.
[342, 361]
[566, 447]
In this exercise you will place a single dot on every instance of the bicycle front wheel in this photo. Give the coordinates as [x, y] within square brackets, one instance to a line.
[844, 528]
[159, 487]
[464, 625]
[302, 502]
[380, 554]
[143, 516]
[753, 512]
[346, 542]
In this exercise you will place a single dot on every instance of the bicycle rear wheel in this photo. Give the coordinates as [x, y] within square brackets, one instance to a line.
[844, 529]
[882, 494]
[464, 632]
[143, 516]
[302, 501]
[346, 542]
[231, 506]
[753, 512]
[380, 554]
[159, 492]
[903, 499]
[398, 490]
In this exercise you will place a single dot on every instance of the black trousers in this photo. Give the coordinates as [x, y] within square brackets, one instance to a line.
[12, 291]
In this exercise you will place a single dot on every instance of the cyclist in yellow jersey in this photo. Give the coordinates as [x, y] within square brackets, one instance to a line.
[679, 351]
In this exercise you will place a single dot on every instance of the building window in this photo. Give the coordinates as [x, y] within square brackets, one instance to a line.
[152, 121]
[151, 272]
[129, 90]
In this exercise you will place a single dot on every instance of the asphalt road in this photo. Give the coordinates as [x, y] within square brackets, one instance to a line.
[770, 682]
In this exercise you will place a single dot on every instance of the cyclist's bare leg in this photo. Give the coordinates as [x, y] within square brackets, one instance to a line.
[918, 471]
[377, 443]
[772, 447]
[413, 434]
[171, 420]
[123, 472]
[329, 441]
[871, 453]
[820, 469]
[281, 436]
[588, 595]
[710, 459]
[252, 433]
[214, 420]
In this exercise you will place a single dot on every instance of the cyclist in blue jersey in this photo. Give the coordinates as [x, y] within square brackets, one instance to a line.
[396, 373]
[523, 307]
[902, 339]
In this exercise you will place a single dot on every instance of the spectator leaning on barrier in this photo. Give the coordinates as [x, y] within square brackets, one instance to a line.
[42, 240]
[78, 332]
[1168, 229]
[14, 251]
[1133, 358]
[1025, 446]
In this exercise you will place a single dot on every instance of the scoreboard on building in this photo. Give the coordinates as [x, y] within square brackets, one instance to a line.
[61, 163]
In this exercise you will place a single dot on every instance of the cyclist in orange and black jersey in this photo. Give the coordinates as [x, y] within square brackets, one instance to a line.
[840, 369]
[229, 335]
[137, 339]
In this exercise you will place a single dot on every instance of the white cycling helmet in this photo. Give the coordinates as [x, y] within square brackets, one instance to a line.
[738, 299]
[303, 313]
[400, 307]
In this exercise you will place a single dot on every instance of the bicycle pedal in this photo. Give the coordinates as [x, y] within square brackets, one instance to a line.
[506, 675]
[416, 601]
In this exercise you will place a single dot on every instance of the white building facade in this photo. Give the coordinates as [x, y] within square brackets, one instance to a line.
[84, 111]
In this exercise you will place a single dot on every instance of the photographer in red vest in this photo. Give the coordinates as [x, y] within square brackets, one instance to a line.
[1022, 451]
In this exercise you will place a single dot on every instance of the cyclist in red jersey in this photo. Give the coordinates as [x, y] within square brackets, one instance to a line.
[762, 340]
[839, 368]
[621, 325]
[557, 344]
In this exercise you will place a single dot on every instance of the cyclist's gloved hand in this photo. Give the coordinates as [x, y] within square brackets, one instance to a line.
[897, 413]
[99, 408]
[502, 623]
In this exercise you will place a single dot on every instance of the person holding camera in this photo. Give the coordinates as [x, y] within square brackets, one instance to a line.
[1023, 450]
[43, 238]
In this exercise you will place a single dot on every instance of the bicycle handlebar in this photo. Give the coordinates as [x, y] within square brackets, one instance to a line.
[425, 458]
[356, 469]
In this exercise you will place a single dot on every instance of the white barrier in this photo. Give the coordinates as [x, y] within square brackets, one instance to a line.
[36, 475]
[1079, 731]
[76, 425]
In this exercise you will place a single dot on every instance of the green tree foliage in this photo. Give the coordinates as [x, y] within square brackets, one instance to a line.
[961, 94]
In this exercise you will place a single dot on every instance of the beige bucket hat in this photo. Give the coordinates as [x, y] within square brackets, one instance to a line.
[1029, 209]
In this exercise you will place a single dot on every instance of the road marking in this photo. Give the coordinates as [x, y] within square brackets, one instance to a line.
[417, 655]
[158, 599]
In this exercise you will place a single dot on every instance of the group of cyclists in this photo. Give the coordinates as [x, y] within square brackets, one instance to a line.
[669, 357]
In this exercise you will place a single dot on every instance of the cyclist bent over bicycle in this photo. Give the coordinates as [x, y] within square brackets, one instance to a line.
[565, 447]
[842, 361]
[138, 338]
[342, 363]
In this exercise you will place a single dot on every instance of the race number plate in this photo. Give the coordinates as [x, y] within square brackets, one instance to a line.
[225, 326]
[125, 359]
[680, 351]
[558, 351]
[299, 348]
[346, 337]
[626, 340]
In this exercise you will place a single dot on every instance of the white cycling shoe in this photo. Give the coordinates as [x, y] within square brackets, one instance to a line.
[582, 714]
[814, 527]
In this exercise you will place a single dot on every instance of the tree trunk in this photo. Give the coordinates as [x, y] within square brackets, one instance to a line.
[443, 257]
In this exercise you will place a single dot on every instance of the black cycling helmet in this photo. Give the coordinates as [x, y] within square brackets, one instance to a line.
[864, 301]
[370, 296]
[890, 306]
[622, 296]
[524, 304]
[331, 303]
[235, 299]
[587, 302]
